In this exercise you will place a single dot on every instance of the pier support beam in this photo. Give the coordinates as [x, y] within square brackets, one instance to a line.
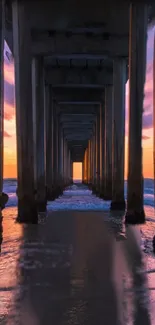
[65, 163]
[60, 156]
[97, 153]
[71, 170]
[108, 143]
[39, 120]
[83, 170]
[94, 160]
[49, 143]
[86, 166]
[56, 180]
[137, 72]
[1, 99]
[119, 81]
[89, 163]
[27, 208]
[102, 149]
[68, 164]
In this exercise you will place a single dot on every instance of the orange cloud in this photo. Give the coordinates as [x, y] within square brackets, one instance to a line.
[6, 134]
[145, 137]
[9, 111]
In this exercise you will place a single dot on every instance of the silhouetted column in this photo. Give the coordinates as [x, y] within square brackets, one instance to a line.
[137, 72]
[90, 159]
[108, 143]
[65, 162]
[89, 167]
[64, 159]
[55, 150]
[118, 146]
[98, 152]
[71, 168]
[69, 165]
[27, 208]
[102, 150]
[91, 172]
[49, 142]
[60, 154]
[2, 26]
[86, 166]
[83, 170]
[39, 120]
[94, 159]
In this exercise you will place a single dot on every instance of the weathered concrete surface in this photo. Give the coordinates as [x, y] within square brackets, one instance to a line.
[72, 269]
[102, 149]
[108, 143]
[118, 142]
[137, 67]
[27, 210]
[39, 135]
[71, 77]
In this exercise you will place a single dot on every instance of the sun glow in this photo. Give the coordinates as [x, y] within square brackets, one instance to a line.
[77, 171]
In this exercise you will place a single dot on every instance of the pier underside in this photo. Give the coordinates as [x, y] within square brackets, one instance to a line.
[72, 61]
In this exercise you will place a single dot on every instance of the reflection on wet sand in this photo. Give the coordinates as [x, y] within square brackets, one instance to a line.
[73, 269]
[1, 230]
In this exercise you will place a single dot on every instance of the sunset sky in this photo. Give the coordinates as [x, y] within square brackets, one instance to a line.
[9, 118]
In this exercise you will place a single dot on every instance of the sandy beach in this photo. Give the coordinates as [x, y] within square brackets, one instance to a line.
[76, 268]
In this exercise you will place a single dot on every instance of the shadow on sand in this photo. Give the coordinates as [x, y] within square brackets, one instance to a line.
[73, 269]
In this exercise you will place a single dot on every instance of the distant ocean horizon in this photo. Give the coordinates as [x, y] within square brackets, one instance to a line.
[10, 185]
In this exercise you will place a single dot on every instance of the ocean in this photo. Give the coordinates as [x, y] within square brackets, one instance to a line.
[10, 186]
[27, 252]
[82, 199]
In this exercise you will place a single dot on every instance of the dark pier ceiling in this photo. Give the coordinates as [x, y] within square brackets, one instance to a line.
[79, 41]
[72, 61]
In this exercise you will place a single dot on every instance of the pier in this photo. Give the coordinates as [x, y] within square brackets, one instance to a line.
[73, 262]
[75, 267]
[72, 61]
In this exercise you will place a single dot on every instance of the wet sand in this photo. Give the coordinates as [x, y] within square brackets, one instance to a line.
[74, 268]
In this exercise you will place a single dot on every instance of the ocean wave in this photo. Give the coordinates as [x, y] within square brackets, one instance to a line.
[10, 186]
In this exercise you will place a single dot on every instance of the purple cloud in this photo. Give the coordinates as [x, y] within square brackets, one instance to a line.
[147, 121]
[148, 107]
[9, 93]
[149, 68]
